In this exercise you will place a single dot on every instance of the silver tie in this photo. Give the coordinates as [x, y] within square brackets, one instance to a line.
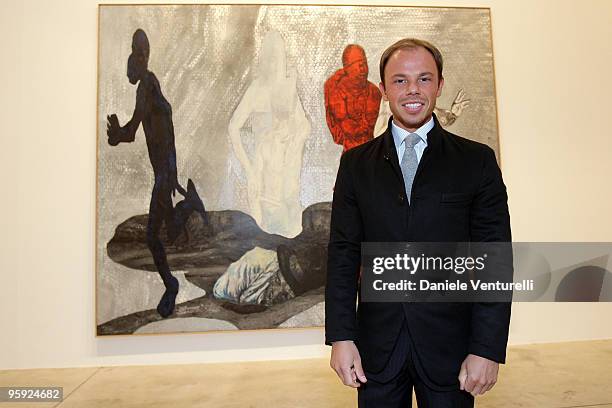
[409, 162]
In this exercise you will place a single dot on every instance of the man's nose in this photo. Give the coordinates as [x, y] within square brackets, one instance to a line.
[412, 88]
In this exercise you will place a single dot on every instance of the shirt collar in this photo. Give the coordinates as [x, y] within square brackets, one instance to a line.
[399, 134]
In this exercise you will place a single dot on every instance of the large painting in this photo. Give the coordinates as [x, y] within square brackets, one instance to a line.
[220, 130]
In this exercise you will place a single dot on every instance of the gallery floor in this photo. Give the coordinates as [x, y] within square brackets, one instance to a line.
[563, 375]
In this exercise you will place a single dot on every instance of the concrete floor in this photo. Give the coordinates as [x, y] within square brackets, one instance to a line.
[563, 375]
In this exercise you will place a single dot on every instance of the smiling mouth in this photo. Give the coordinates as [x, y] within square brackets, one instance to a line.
[413, 106]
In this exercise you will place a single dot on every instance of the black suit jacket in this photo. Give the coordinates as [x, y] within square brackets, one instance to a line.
[458, 195]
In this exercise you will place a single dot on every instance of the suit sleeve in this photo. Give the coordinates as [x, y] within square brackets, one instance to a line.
[343, 258]
[490, 222]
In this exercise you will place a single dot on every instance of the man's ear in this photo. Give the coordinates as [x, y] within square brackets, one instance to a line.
[381, 86]
[440, 85]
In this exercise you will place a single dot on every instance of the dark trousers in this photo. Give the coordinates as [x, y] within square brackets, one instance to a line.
[392, 388]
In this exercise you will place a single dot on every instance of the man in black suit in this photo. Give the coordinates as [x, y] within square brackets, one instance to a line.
[419, 183]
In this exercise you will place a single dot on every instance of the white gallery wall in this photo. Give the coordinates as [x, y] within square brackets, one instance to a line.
[552, 61]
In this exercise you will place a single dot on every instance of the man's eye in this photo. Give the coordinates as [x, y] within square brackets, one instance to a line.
[400, 81]
[425, 79]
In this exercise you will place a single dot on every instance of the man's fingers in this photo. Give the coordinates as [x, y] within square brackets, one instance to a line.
[476, 390]
[347, 377]
[470, 384]
[462, 377]
[488, 388]
[343, 374]
[353, 376]
[474, 386]
[479, 386]
[359, 371]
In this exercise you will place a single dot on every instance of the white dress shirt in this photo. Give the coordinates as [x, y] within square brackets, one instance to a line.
[400, 134]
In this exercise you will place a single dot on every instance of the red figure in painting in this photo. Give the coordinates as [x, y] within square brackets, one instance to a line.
[351, 101]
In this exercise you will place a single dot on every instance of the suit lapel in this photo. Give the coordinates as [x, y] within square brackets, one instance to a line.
[390, 151]
[434, 137]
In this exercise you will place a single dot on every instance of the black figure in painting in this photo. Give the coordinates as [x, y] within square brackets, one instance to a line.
[155, 114]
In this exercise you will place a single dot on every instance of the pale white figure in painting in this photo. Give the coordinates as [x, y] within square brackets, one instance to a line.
[279, 127]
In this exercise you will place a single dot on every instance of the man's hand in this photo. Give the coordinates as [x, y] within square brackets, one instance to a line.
[346, 363]
[478, 374]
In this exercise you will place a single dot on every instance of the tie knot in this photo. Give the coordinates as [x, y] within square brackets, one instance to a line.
[411, 140]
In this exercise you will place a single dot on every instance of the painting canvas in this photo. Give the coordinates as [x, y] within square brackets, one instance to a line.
[220, 130]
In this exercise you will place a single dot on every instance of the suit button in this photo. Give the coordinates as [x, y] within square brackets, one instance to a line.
[401, 198]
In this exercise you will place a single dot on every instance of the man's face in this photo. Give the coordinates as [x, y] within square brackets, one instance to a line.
[411, 86]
